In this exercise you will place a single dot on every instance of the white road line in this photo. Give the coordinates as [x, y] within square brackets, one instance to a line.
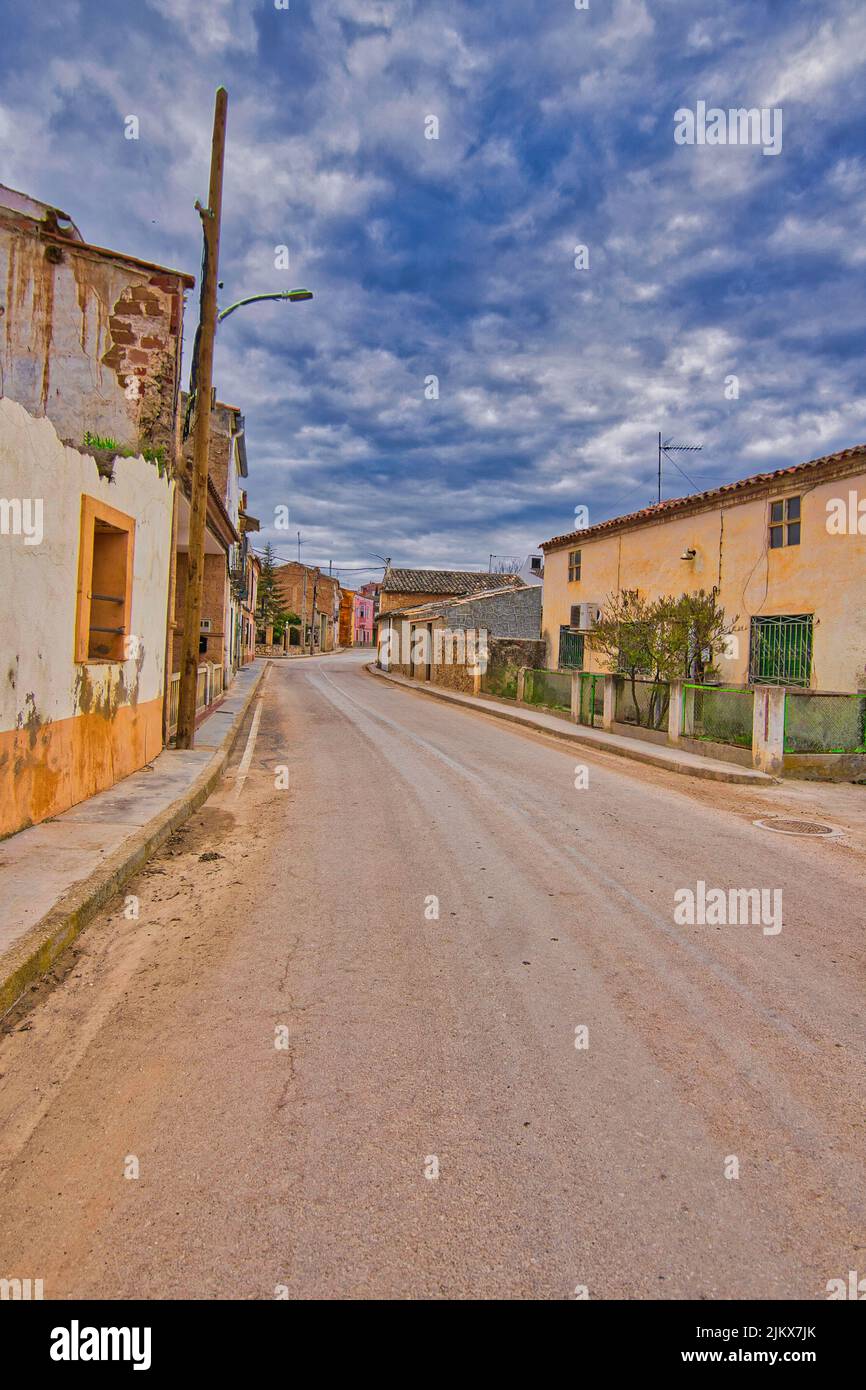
[244, 767]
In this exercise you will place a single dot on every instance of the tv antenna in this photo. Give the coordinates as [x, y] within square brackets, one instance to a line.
[665, 451]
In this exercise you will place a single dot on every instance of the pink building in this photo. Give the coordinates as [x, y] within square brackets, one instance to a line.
[363, 624]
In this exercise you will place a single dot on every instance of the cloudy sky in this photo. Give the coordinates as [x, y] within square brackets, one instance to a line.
[455, 257]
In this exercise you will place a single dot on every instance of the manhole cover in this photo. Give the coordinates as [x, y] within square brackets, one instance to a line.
[794, 827]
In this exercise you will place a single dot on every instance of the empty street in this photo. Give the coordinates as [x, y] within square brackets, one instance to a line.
[422, 1024]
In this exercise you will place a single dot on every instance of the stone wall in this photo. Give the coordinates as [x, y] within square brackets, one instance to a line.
[515, 613]
[510, 651]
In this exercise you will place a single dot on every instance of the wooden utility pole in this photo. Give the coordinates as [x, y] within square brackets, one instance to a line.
[210, 218]
[313, 618]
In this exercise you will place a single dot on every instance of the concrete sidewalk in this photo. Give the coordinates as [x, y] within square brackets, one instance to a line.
[656, 755]
[55, 876]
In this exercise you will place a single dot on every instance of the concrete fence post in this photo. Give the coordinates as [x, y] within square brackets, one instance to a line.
[575, 696]
[681, 711]
[675, 712]
[521, 682]
[609, 711]
[768, 729]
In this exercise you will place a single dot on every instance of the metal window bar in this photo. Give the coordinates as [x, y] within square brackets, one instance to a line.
[781, 650]
[571, 649]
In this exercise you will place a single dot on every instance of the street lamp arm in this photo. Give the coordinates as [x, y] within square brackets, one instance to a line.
[292, 295]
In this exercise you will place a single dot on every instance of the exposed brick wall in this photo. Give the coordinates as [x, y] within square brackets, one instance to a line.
[143, 355]
[212, 606]
[90, 339]
[219, 451]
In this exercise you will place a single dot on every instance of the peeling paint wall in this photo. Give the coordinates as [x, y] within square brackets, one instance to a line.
[87, 339]
[70, 729]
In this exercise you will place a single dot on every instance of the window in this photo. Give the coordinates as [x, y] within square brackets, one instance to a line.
[104, 607]
[573, 566]
[571, 647]
[535, 562]
[781, 650]
[784, 522]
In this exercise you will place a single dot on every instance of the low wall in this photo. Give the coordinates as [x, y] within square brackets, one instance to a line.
[826, 767]
[516, 651]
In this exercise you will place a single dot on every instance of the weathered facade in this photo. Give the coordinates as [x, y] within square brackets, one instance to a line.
[82, 623]
[90, 349]
[89, 338]
[449, 642]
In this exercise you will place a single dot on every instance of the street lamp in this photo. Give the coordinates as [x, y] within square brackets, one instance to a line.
[293, 295]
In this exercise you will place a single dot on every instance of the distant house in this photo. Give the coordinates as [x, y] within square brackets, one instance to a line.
[442, 641]
[532, 569]
[315, 598]
[364, 605]
[404, 587]
[347, 617]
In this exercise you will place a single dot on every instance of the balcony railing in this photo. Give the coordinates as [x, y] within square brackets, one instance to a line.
[209, 686]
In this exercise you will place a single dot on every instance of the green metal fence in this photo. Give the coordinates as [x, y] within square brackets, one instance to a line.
[591, 699]
[550, 688]
[720, 714]
[501, 681]
[644, 702]
[824, 723]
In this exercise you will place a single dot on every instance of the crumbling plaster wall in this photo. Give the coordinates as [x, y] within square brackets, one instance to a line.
[88, 340]
[69, 729]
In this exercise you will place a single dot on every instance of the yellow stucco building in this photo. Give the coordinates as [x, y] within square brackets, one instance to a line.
[784, 551]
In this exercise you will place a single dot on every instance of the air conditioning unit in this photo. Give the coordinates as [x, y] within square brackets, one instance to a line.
[584, 616]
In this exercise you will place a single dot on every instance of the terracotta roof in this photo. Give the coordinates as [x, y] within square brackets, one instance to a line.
[439, 607]
[450, 583]
[416, 610]
[697, 499]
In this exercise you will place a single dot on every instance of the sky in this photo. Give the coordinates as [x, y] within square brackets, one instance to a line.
[719, 298]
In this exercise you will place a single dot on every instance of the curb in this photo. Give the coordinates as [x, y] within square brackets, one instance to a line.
[743, 776]
[36, 951]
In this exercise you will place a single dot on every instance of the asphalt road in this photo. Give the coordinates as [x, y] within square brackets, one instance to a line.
[288, 1043]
